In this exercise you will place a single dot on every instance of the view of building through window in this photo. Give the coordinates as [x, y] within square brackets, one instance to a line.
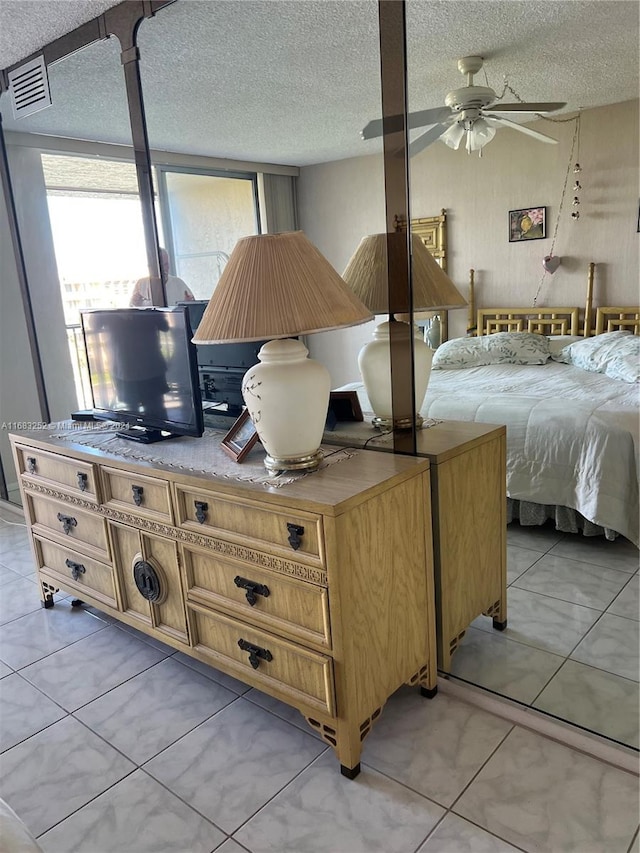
[98, 236]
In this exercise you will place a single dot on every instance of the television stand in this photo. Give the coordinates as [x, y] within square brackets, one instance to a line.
[145, 435]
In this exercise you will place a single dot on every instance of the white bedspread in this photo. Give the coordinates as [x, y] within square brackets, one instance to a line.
[572, 436]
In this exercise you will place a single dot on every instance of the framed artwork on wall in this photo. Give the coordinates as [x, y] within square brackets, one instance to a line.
[529, 223]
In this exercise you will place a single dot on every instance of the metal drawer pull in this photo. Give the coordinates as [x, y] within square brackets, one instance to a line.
[31, 464]
[295, 535]
[138, 491]
[68, 521]
[256, 654]
[82, 480]
[252, 589]
[201, 511]
[77, 569]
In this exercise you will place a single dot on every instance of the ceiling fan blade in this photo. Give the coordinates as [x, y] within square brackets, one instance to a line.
[504, 122]
[550, 107]
[393, 124]
[426, 139]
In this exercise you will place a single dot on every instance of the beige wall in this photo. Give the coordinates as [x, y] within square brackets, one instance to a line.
[341, 201]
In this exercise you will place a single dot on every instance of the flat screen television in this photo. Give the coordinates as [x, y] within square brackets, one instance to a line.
[143, 371]
[240, 356]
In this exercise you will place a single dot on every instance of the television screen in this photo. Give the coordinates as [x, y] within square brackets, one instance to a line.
[241, 356]
[143, 371]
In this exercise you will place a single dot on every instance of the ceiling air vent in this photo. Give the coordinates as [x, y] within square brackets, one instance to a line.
[29, 87]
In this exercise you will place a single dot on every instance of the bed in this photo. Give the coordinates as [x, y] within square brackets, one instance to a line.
[572, 430]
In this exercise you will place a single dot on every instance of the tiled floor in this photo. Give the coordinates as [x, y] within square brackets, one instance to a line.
[571, 645]
[111, 741]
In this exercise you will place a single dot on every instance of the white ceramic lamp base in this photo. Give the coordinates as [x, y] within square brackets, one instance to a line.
[287, 396]
[374, 362]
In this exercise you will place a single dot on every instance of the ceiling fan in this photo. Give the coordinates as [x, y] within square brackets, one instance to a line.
[471, 111]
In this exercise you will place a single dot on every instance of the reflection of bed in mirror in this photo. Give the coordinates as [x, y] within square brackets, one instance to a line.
[572, 433]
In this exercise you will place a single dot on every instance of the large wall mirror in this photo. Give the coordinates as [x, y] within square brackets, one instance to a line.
[268, 139]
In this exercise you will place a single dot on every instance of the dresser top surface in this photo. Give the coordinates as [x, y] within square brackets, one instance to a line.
[347, 475]
[437, 440]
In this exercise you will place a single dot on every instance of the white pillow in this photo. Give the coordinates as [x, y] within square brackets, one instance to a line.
[616, 354]
[558, 342]
[499, 348]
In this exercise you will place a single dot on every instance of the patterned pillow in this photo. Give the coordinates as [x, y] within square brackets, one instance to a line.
[616, 354]
[499, 348]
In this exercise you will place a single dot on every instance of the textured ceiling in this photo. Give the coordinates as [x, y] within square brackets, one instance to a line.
[294, 81]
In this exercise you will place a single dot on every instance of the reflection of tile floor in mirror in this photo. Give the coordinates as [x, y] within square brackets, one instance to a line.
[112, 741]
[571, 645]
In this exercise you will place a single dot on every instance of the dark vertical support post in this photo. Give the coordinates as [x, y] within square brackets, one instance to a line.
[392, 14]
[36, 358]
[123, 21]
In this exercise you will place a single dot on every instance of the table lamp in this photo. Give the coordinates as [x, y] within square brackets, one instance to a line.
[367, 276]
[277, 286]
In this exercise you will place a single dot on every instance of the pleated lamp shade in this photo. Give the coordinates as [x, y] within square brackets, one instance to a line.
[278, 286]
[366, 275]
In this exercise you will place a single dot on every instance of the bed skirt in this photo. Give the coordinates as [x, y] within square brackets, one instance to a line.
[567, 520]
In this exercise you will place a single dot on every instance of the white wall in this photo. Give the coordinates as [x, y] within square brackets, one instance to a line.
[339, 202]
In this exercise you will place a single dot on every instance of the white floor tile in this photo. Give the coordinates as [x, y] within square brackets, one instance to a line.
[222, 678]
[574, 581]
[47, 777]
[504, 666]
[151, 711]
[627, 604]
[4, 670]
[138, 815]
[519, 560]
[612, 645]
[545, 797]
[597, 700]
[456, 835]
[23, 711]
[232, 764]
[43, 632]
[434, 746]
[322, 811]
[19, 597]
[534, 537]
[620, 554]
[285, 712]
[545, 623]
[91, 667]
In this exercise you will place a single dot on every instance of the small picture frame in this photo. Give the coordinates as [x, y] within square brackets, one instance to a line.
[238, 442]
[529, 223]
[345, 406]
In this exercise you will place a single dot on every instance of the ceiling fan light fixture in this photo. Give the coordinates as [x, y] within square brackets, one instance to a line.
[454, 135]
[479, 134]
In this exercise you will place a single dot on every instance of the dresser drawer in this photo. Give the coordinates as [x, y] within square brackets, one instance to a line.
[267, 599]
[76, 572]
[63, 521]
[145, 496]
[51, 469]
[290, 532]
[283, 669]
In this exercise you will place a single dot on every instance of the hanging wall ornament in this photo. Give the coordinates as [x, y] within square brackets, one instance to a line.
[550, 262]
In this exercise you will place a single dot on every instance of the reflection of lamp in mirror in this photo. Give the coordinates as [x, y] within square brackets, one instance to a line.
[366, 275]
[279, 286]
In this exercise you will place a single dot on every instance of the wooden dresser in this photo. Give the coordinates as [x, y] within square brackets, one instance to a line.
[318, 591]
[469, 512]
